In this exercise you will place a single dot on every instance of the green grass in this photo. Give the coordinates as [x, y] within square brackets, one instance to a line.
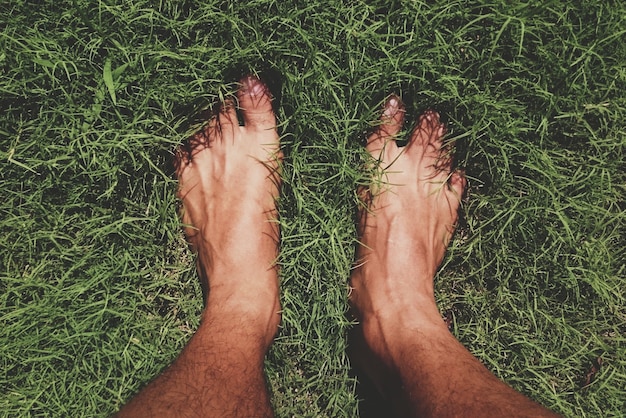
[98, 291]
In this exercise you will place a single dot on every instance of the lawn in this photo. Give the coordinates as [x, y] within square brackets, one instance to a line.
[98, 290]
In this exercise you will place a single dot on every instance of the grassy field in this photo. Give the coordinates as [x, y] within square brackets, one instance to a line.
[98, 291]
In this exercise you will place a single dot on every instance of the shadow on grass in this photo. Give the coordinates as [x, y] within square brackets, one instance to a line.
[371, 402]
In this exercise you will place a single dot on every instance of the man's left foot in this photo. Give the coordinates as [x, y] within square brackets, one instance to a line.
[228, 183]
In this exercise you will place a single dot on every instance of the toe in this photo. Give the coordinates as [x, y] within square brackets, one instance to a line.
[389, 127]
[255, 103]
[188, 151]
[458, 183]
[429, 132]
[426, 145]
[223, 127]
[220, 127]
[182, 158]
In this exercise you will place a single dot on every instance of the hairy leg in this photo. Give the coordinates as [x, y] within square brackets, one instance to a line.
[228, 182]
[402, 341]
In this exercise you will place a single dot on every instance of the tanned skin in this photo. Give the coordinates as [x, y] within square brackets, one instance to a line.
[228, 183]
[407, 220]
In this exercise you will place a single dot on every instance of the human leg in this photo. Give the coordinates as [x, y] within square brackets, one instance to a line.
[402, 340]
[228, 182]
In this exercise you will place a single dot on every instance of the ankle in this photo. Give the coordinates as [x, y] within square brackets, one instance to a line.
[252, 310]
[387, 332]
[243, 323]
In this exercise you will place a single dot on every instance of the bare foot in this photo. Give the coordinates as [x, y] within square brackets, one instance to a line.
[402, 342]
[228, 183]
[410, 218]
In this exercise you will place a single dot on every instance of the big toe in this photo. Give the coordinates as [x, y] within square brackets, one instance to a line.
[255, 103]
[382, 139]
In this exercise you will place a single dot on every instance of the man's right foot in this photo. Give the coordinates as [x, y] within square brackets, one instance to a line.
[407, 222]
[402, 341]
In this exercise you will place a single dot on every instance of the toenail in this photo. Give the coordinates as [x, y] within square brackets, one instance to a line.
[253, 86]
[391, 107]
